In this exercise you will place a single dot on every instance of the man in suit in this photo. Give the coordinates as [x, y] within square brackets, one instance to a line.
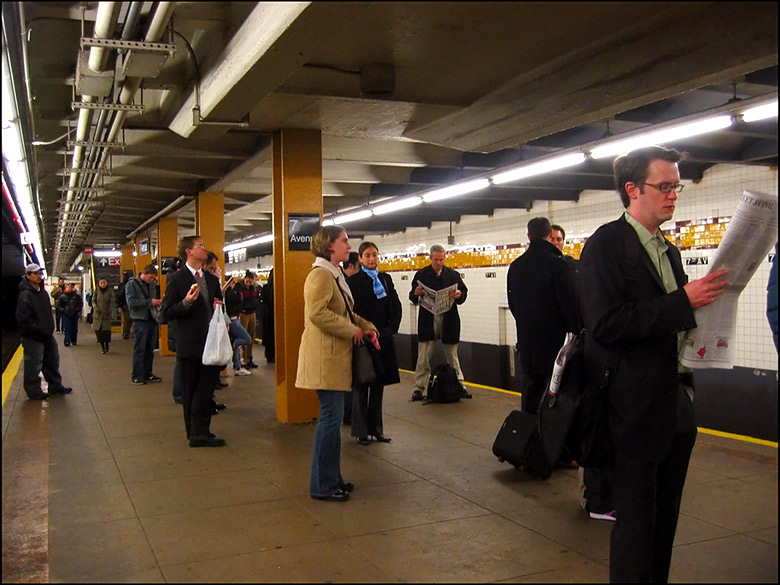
[635, 302]
[558, 239]
[190, 307]
[543, 301]
[430, 327]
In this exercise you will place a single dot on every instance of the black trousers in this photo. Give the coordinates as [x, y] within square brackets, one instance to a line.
[197, 389]
[367, 410]
[647, 496]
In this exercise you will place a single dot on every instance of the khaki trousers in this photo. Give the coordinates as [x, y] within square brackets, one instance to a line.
[422, 371]
[248, 320]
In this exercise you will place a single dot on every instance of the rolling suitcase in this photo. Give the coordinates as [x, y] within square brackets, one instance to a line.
[518, 442]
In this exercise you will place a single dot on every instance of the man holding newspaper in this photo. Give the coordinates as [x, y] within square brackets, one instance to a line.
[438, 290]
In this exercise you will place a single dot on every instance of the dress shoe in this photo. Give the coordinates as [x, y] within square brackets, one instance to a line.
[382, 438]
[363, 440]
[218, 405]
[138, 381]
[152, 378]
[337, 496]
[417, 395]
[41, 396]
[63, 390]
[346, 486]
[67, 343]
[465, 393]
[251, 365]
[206, 441]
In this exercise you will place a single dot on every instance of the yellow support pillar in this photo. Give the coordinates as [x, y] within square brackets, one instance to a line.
[127, 262]
[210, 223]
[167, 242]
[297, 189]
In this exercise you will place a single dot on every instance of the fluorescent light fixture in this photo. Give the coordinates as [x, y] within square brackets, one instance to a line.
[455, 190]
[397, 205]
[662, 136]
[760, 112]
[107, 254]
[538, 168]
[252, 242]
[327, 222]
[347, 217]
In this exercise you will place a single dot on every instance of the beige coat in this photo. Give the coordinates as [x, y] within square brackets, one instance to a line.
[325, 355]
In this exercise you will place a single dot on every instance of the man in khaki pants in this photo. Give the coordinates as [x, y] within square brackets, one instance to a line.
[250, 300]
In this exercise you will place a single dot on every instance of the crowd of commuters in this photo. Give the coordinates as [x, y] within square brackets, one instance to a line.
[628, 293]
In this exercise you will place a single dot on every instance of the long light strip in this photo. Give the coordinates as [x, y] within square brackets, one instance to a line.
[662, 136]
[455, 190]
[539, 168]
[760, 112]
[106, 254]
[252, 242]
[396, 205]
[352, 216]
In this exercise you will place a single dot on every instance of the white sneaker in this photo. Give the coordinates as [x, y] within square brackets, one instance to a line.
[243, 372]
[611, 516]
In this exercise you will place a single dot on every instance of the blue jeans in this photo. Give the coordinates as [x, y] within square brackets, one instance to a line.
[240, 337]
[144, 344]
[326, 459]
[41, 356]
[70, 325]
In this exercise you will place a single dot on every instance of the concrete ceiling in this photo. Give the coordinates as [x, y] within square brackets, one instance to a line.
[472, 87]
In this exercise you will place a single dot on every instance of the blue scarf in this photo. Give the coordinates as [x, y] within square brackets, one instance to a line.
[379, 290]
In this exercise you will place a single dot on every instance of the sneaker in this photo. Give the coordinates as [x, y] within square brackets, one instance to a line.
[152, 378]
[138, 381]
[611, 516]
[417, 395]
[243, 372]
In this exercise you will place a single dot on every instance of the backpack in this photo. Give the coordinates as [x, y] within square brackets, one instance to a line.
[443, 385]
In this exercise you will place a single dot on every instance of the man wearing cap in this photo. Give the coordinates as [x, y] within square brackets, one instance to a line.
[36, 328]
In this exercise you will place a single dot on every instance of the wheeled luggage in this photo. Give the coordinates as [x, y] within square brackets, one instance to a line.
[519, 443]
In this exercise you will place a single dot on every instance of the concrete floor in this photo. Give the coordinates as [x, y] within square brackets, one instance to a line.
[101, 486]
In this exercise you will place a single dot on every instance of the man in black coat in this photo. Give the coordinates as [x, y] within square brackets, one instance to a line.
[543, 301]
[431, 327]
[191, 308]
[635, 302]
[36, 328]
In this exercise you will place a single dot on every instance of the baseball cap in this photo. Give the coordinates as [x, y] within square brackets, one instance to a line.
[32, 268]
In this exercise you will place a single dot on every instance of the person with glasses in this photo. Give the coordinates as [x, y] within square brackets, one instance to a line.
[636, 303]
[190, 295]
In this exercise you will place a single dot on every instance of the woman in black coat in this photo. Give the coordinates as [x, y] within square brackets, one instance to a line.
[376, 301]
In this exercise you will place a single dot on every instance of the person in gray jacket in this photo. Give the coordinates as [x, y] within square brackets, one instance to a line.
[36, 328]
[143, 299]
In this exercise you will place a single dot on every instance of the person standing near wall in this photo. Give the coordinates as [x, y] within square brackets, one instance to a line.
[636, 299]
[143, 300]
[36, 329]
[431, 327]
[70, 304]
[250, 298]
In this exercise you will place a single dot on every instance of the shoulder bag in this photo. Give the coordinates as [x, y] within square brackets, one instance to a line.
[366, 362]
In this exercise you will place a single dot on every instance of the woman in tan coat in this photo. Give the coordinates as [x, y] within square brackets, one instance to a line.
[325, 356]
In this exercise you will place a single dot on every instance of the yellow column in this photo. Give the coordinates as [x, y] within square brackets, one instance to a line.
[297, 188]
[210, 223]
[167, 242]
[127, 262]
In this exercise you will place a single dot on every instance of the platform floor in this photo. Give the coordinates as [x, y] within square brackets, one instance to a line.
[101, 486]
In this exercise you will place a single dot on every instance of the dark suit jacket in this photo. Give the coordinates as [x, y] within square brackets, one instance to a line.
[543, 301]
[384, 313]
[451, 325]
[192, 321]
[631, 326]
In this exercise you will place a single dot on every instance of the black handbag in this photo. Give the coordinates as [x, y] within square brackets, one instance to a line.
[366, 362]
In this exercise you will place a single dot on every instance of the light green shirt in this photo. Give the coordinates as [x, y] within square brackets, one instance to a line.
[655, 246]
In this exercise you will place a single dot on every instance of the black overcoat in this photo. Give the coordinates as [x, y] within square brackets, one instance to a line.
[631, 326]
[451, 325]
[384, 313]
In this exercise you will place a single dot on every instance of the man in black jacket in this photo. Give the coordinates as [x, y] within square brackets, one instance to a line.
[430, 327]
[543, 301]
[36, 328]
[636, 300]
[190, 306]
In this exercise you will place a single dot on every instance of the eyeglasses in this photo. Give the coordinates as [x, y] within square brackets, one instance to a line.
[201, 246]
[667, 187]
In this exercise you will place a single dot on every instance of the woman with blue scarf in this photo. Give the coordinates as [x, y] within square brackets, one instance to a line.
[376, 301]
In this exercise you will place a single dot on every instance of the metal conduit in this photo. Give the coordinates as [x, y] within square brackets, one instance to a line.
[107, 16]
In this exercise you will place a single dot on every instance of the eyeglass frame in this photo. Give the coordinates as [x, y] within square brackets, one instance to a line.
[672, 187]
[198, 247]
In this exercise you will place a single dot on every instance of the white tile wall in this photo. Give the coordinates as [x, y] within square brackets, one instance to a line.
[485, 321]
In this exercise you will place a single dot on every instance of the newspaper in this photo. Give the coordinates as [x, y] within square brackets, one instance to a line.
[751, 234]
[437, 301]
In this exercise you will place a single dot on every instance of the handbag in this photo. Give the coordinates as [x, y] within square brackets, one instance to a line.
[218, 350]
[366, 362]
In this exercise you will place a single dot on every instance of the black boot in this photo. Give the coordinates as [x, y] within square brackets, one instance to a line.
[104, 344]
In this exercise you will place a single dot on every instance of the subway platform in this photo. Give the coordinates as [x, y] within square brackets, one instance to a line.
[101, 486]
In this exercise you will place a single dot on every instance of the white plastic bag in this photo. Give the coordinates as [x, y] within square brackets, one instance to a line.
[218, 350]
